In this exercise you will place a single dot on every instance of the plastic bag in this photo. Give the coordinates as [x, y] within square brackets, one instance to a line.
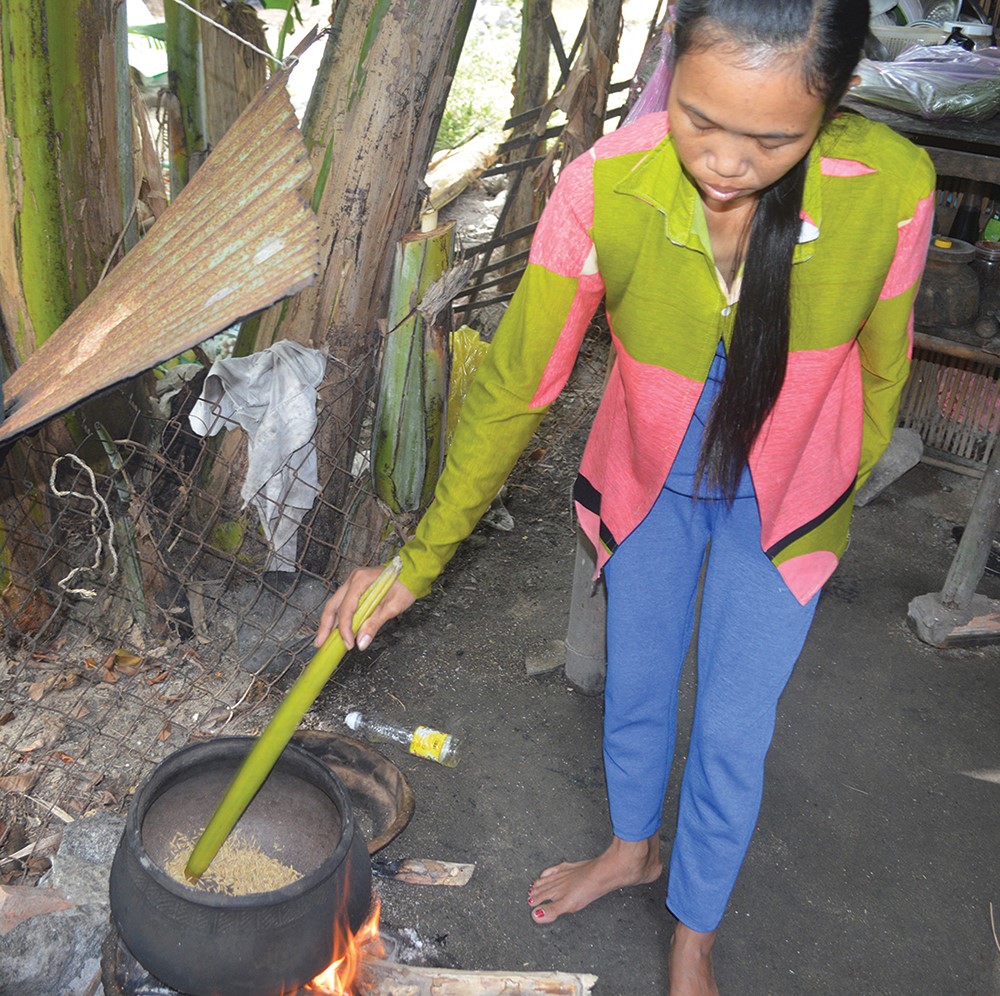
[651, 84]
[935, 82]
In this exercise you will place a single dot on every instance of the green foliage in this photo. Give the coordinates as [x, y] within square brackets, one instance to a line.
[156, 33]
[228, 536]
[288, 25]
[480, 97]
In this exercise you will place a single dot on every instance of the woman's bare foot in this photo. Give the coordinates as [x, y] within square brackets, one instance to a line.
[691, 963]
[570, 886]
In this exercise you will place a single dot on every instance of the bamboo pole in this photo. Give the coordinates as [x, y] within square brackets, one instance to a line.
[258, 763]
[186, 76]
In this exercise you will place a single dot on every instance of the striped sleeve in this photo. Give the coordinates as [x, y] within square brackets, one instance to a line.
[886, 340]
[527, 364]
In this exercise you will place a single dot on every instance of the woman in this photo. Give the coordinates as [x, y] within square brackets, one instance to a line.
[758, 255]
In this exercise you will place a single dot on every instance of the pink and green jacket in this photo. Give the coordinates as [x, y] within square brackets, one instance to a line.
[626, 224]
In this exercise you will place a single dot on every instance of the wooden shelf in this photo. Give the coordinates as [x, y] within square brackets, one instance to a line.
[958, 342]
[966, 149]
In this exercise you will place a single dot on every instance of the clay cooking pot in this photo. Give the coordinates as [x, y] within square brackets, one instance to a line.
[263, 944]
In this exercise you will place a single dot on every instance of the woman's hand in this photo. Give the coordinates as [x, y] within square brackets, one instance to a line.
[341, 605]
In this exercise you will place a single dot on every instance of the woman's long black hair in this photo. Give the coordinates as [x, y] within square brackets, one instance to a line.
[830, 35]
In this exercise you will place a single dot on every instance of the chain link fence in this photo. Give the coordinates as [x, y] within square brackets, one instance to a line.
[139, 612]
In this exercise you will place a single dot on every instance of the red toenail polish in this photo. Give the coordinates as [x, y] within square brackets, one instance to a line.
[539, 914]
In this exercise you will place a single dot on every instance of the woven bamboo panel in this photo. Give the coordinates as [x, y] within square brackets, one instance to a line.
[953, 400]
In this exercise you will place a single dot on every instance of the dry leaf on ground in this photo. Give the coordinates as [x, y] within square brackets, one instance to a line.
[18, 783]
[53, 683]
[37, 689]
[125, 663]
[29, 745]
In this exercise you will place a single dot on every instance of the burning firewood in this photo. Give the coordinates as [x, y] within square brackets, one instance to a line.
[423, 871]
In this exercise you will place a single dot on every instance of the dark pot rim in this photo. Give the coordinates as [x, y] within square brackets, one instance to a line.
[161, 777]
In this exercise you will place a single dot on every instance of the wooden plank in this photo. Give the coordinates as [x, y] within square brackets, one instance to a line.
[937, 344]
[383, 978]
[968, 165]
[423, 871]
[981, 137]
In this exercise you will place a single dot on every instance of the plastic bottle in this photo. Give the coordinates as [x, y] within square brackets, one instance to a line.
[422, 741]
[991, 233]
[965, 227]
[987, 267]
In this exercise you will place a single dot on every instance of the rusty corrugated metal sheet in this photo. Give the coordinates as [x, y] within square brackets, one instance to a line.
[238, 238]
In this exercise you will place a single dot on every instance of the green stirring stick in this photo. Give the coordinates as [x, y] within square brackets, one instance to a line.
[262, 757]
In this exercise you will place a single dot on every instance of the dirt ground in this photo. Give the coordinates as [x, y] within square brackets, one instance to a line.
[873, 868]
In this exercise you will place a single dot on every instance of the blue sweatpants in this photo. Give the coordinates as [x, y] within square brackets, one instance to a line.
[751, 631]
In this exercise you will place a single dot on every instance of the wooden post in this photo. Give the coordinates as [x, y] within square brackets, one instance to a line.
[958, 615]
[586, 659]
[973, 549]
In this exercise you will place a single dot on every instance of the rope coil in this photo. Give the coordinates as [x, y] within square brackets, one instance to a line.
[97, 503]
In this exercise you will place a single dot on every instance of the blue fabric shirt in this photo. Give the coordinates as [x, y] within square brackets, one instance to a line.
[681, 479]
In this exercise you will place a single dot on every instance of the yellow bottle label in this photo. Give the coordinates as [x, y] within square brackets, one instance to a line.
[427, 742]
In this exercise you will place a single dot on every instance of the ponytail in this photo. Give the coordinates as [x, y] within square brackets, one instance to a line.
[758, 354]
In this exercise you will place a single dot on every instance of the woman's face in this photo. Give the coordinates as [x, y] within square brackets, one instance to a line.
[740, 126]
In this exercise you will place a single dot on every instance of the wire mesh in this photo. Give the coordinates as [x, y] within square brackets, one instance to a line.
[138, 614]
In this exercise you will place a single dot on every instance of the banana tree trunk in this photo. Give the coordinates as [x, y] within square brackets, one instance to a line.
[66, 176]
[371, 124]
[584, 97]
[531, 90]
[66, 193]
[185, 73]
[233, 72]
[408, 433]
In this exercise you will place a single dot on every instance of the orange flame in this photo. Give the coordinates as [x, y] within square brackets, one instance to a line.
[339, 977]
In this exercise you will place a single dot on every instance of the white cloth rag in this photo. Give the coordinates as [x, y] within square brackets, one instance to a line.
[271, 395]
